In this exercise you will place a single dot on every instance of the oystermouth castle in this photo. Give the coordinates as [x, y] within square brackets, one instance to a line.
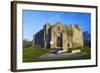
[59, 36]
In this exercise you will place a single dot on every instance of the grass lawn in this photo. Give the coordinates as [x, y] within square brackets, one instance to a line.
[32, 55]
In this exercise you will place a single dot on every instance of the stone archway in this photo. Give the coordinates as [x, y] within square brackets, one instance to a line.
[59, 41]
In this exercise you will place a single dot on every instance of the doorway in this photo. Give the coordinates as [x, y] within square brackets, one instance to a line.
[59, 41]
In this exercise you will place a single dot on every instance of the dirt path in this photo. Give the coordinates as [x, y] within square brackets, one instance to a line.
[63, 55]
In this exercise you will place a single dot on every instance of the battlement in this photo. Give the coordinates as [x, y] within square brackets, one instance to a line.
[77, 26]
[65, 36]
[59, 24]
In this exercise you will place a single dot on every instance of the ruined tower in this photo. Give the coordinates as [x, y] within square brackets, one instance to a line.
[60, 36]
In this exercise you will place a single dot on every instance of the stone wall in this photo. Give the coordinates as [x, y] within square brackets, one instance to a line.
[39, 38]
[60, 36]
[77, 38]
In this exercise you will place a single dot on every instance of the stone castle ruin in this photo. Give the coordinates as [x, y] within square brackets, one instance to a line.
[59, 36]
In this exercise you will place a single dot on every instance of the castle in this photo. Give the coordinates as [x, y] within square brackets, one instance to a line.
[59, 36]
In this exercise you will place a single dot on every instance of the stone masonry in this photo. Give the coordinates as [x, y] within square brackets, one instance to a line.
[59, 36]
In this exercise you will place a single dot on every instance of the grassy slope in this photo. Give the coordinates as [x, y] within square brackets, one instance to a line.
[32, 55]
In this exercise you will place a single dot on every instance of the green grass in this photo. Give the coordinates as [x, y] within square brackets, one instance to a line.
[32, 54]
[87, 51]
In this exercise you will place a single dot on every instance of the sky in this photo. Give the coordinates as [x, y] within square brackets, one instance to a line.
[33, 20]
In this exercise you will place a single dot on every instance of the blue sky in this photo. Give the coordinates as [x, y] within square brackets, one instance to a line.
[33, 20]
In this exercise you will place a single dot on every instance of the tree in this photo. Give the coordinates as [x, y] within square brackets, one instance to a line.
[26, 43]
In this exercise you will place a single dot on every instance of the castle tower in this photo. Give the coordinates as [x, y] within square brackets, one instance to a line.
[47, 35]
[60, 36]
